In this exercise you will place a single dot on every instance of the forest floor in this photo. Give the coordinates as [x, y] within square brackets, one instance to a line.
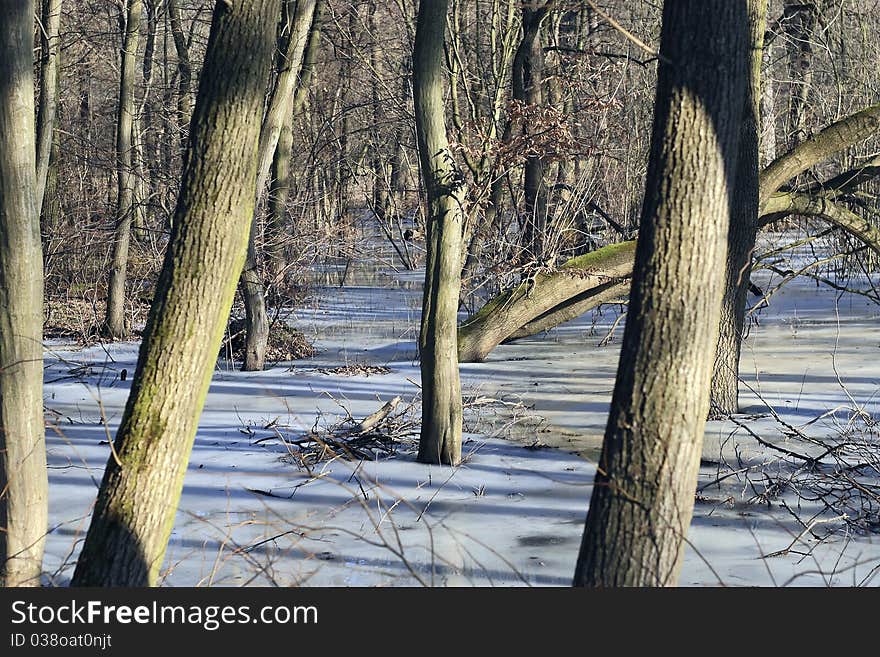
[787, 492]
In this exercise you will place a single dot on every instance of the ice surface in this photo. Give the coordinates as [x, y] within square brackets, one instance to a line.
[513, 513]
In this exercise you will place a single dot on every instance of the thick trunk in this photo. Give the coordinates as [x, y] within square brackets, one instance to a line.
[23, 478]
[440, 440]
[742, 232]
[140, 491]
[114, 322]
[299, 18]
[643, 494]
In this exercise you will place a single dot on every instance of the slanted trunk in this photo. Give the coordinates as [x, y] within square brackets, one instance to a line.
[140, 491]
[440, 440]
[643, 495]
[540, 296]
[23, 476]
[114, 322]
[743, 230]
[299, 18]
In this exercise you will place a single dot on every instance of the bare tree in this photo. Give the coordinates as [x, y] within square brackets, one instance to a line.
[23, 476]
[441, 387]
[643, 494]
[143, 479]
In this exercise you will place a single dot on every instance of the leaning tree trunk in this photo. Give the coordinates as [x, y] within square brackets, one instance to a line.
[440, 440]
[114, 322]
[143, 480]
[550, 299]
[541, 297]
[23, 478]
[643, 495]
[299, 16]
[743, 231]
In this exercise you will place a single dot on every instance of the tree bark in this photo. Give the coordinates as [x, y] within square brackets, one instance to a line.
[142, 483]
[440, 440]
[743, 230]
[23, 475]
[114, 322]
[643, 494]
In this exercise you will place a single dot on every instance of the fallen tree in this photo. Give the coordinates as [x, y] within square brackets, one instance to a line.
[548, 299]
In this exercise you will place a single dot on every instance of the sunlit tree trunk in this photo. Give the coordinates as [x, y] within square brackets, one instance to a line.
[142, 483]
[440, 440]
[23, 478]
[643, 494]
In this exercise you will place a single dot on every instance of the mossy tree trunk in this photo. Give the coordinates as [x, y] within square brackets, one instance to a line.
[440, 440]
[23, 475]
[541, 297]
[114, 322]
[142, 483]
[643, 494]
[743, 231]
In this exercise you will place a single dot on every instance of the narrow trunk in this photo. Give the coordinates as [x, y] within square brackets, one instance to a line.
[141, 488]
[440, 440]
[23, 478]
[114, 322]
[528, 72]
[184, 72]
[49, 66]
[643, 495]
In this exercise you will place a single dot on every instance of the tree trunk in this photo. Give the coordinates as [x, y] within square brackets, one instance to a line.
[299, 18]
[528, 72]
[23, 475]
[114, 322]
[49, 66]
[743, 230]
[539, 297]
[440, 440]
[142, 483]
[184, 72]
[643, 494]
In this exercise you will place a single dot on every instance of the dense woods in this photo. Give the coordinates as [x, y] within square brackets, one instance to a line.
[175, 172]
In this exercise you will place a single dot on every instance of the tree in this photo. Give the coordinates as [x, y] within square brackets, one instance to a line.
[49, 66]
[743, 230]
[140, 491]
[23, 475]
[114, 323]
[642, 498]
[297, 24]
[440, 440]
